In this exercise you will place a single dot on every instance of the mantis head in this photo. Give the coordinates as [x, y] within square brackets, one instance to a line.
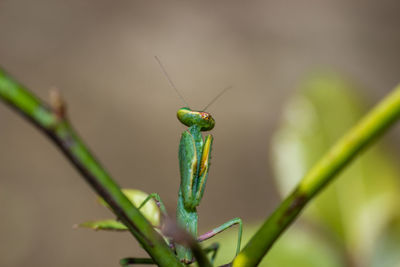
[190, 117]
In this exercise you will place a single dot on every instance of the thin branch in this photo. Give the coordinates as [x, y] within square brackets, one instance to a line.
[55, 125]
[375, 123]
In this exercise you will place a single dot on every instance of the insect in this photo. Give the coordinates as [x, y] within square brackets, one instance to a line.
[194, 162]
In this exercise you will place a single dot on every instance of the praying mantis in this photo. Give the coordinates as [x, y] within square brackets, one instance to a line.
[194, 162]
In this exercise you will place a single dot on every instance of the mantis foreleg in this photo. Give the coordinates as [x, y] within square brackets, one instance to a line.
[163, 211]
[159, 203]
[213, 248]
[223, 227]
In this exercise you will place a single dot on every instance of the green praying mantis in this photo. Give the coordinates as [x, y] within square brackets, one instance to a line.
[194, 163]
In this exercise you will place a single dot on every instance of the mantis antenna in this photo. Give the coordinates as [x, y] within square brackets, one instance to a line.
[216, 97]
[170, 81]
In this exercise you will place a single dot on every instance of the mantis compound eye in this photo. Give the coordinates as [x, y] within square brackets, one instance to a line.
[205, 116]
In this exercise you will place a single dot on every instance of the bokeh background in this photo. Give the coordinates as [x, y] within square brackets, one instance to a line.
[100, 54]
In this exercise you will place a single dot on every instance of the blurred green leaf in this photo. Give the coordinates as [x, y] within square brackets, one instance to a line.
[110, 225]
[386, 252]
[359, 204]
[150, 210]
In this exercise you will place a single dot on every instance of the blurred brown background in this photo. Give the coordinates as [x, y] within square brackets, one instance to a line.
[100, 54]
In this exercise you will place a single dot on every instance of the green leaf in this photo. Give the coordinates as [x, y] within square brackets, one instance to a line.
[359, 204]
[110, 225]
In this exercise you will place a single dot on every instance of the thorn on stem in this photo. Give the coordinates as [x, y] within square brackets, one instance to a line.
[57, 103]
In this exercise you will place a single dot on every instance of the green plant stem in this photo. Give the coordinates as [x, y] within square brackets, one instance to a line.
[377, 121]
[57, 128]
